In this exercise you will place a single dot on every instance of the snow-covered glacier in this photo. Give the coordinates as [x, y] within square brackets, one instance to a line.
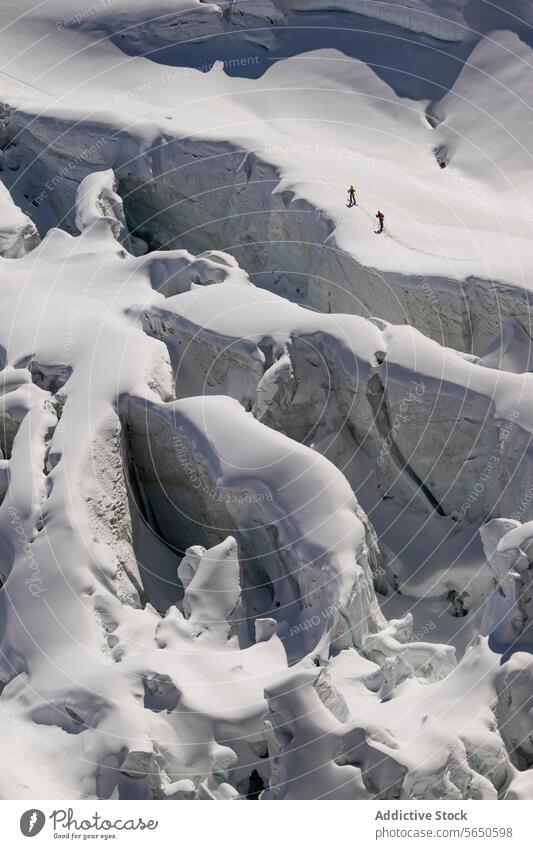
[266, 474]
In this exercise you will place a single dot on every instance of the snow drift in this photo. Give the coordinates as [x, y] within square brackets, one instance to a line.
[265, 502]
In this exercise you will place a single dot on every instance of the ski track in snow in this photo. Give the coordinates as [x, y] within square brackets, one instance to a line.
[390, 235]
[266, 511]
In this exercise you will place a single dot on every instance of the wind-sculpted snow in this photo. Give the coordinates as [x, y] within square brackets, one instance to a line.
[246, 180]
[195, 465]
[266, 514]
[191, 552]
[370, 755]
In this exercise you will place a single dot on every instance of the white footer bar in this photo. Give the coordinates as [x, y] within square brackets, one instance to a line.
[274, 825]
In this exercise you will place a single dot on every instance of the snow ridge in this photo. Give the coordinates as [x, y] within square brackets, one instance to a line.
[265, 508]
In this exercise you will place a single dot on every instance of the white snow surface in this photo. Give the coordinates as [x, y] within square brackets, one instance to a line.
[18, 234]
[266, 510]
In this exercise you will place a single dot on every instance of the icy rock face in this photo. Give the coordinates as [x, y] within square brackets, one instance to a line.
[272, 221]
[515, 709]
[431, 420]
[479, 80]
[63, 479]
[184, 22]
[180, 450]
[97, 200]
[157, 176]
[355, 761]
[18, 234]
[414, 15]
[509, 615]
[220, 549]
[312, 578]
[190, 20]
[212, 598]
[289, 234]
[458, 448]
[424, 659]
[200, 20]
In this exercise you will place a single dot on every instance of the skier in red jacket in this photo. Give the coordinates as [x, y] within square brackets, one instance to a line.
[381, 219]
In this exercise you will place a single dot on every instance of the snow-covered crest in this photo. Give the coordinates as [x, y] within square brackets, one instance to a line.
[247, 547]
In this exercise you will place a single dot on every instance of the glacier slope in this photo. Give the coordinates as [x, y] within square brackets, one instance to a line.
[454, 261]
